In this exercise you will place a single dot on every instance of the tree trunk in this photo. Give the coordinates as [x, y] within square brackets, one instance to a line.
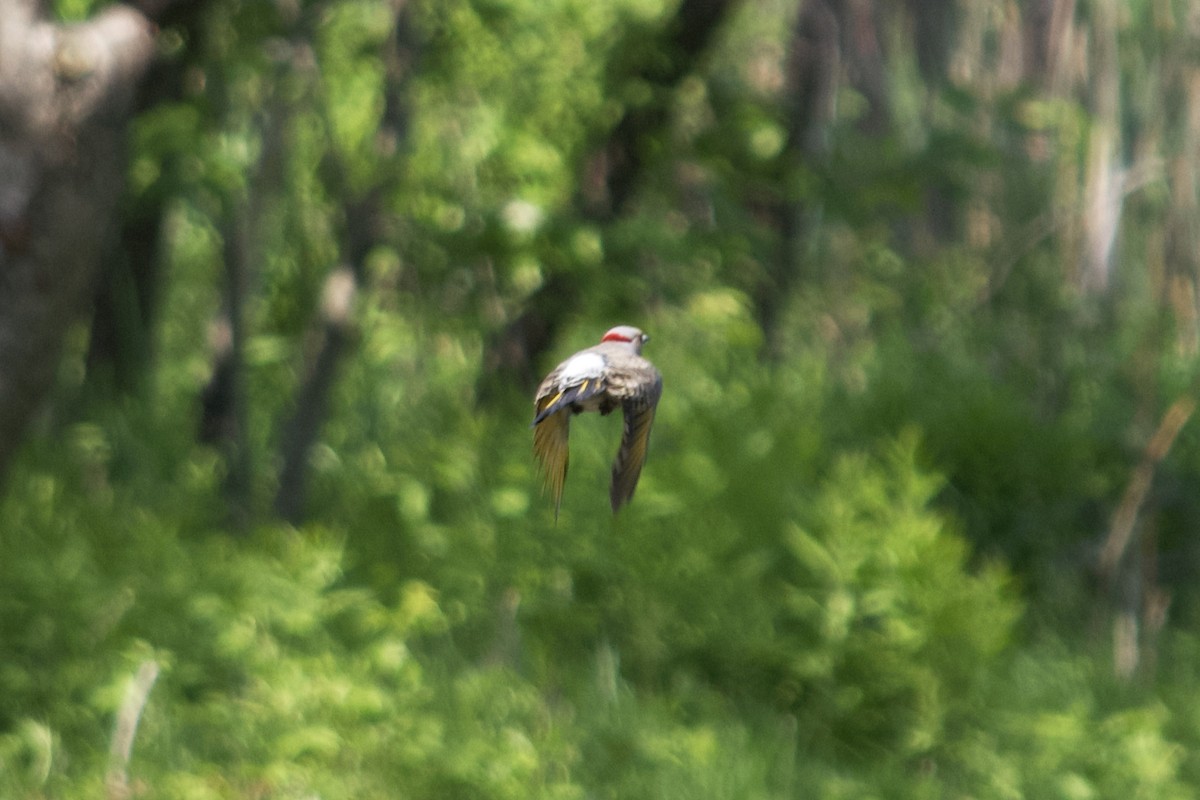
[128, 289]
[65, 93]
[335, 316]
[610, 177]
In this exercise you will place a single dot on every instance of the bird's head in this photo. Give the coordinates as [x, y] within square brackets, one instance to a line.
[628, 334]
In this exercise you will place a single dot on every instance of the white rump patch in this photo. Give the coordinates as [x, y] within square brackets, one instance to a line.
[582, 367]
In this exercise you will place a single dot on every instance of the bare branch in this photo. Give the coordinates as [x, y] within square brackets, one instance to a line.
[1125, 517]
[128, 717]
[337, 302]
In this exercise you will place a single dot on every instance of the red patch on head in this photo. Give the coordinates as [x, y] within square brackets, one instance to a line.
[615, 336]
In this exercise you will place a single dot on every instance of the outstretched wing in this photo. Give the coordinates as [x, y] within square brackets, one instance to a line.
[551, 448]
[627, 467]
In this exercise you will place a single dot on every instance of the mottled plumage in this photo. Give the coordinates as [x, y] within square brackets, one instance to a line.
[610, 375]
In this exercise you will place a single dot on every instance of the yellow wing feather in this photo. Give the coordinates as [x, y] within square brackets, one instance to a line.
[546, 402]
[550, 445]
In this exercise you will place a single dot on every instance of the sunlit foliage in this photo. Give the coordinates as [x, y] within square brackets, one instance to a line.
[861, 562]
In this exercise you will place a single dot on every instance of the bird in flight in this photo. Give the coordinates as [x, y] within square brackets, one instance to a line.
[609, 375]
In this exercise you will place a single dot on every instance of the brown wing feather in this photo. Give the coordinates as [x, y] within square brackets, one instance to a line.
[550, 445]
[627, 467]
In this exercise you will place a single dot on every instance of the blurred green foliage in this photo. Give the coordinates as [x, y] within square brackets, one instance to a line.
[863, 568]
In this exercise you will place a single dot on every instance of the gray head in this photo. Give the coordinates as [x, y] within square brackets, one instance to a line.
[628, 334]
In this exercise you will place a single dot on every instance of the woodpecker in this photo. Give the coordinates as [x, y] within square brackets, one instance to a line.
[609, 375]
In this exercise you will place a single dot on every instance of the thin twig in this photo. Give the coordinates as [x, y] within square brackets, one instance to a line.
[1125, 516]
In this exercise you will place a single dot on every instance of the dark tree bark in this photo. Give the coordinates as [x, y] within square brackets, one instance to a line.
[610, 178]
[836, 41]
[225, 414]
[65, 95]
[935, 23]
[312, 403]
[616, 168]
[124, 303]
[231, 366]
[120, 347]
[335, 323]
[335, 320]
[812, 76]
